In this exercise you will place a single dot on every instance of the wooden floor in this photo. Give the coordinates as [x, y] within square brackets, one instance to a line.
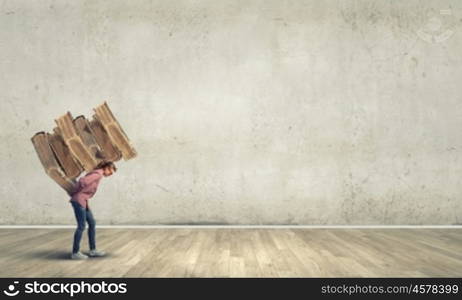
[236, 252]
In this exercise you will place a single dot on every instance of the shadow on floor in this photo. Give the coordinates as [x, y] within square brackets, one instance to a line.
[59, 255]
[50, 255]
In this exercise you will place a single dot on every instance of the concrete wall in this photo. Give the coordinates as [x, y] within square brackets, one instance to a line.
[242, 112]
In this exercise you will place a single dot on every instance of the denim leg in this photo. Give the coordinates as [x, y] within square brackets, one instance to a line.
[80, 216]
[91, 230]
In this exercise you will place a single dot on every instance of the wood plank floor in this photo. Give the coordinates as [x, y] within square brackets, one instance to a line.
[236, 252]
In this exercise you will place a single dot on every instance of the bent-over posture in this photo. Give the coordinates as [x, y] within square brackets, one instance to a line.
[85, 188]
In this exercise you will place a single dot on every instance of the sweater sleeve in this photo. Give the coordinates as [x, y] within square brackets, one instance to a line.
[90, 179]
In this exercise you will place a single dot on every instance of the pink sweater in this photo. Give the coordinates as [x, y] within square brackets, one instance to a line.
[87, 186]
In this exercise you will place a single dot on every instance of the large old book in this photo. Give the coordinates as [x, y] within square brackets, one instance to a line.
[115, 131]
[50, 161]
[78, 145]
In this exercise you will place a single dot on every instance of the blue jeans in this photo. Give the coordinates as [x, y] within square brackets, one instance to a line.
[81, 215]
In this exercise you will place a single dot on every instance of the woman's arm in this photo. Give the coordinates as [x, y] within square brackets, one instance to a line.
[90, 179]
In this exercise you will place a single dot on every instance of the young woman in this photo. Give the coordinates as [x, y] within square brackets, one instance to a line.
[86, 187]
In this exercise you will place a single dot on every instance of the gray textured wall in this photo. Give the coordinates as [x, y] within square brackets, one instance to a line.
[243, 112]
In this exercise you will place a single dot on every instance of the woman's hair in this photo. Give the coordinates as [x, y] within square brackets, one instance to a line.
[105, 164]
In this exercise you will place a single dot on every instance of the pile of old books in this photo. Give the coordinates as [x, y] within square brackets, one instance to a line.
[78, 145]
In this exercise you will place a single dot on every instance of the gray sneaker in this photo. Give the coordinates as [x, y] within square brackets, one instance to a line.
[78, 255]
[96, 253]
